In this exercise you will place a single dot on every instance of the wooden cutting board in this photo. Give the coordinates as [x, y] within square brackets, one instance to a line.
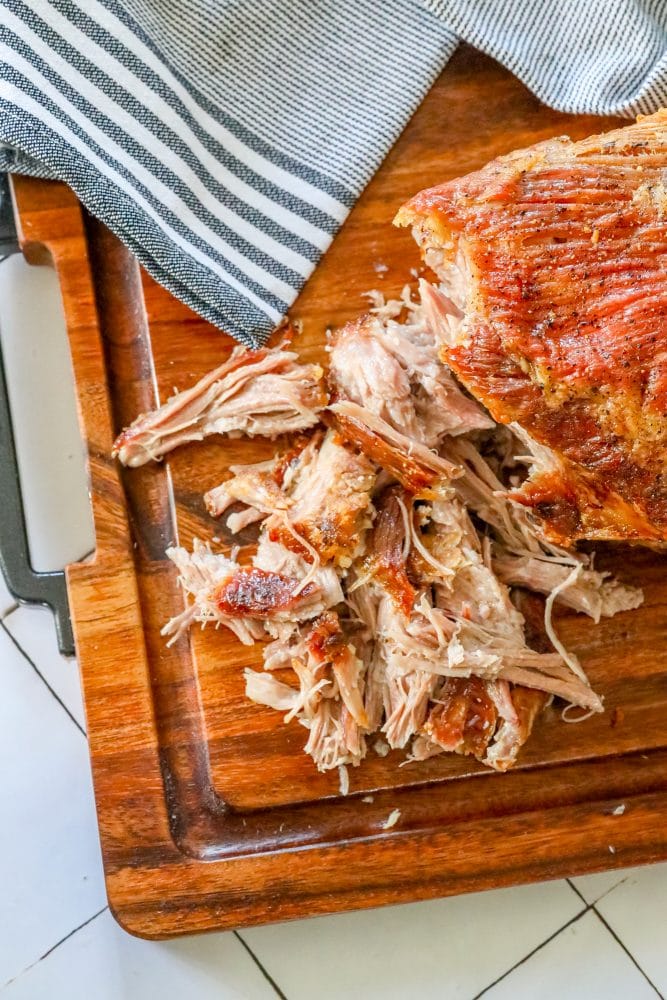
[210, 814]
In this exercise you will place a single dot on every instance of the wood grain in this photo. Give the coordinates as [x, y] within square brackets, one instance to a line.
[210, 814]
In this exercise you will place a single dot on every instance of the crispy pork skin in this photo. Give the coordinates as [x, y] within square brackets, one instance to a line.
[463, 718]
[416, 467]
[552, 311]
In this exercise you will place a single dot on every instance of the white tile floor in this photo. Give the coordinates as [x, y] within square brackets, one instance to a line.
[594, 938]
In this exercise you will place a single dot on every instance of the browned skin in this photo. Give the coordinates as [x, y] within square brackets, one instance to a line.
[411, 473]
[328, 645]
[259, 593]
[386, 560]
[566, 247]
[528, 703]
[326, 641]
[464, 718]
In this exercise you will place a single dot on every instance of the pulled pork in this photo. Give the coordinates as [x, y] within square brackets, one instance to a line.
[256, 393]
[389, 542]
[392, 370]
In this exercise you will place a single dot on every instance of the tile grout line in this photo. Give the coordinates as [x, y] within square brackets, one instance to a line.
[588, 908]
[53, 947]
[602, 895]
[574, 889]
[594, 907]
[609, 891]
[530, 954]
[44, 681]
[269, 978]
[626, 950]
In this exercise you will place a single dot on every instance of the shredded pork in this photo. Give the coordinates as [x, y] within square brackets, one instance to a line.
[383, 588]
[332, 520]
[244, 597]
[392, 370]
[255, 393]
[590, 592]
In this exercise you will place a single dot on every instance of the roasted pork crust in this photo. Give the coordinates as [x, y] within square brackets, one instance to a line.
[566, 330]
[386, 561]
[464, 717]
[259, 594]
[416, 468]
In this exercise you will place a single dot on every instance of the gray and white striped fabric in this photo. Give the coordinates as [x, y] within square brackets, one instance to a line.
[600, 57]
[225, 141]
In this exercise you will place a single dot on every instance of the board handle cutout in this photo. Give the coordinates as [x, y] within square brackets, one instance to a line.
[25, 583]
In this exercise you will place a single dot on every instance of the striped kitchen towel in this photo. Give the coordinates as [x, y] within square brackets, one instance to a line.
[225, 141]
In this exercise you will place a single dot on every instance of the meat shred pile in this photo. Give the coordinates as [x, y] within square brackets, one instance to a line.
[383, 588]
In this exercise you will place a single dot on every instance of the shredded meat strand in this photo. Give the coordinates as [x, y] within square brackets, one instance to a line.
[392, 369]
[264, 392]
[331, 520]
[416, 467]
